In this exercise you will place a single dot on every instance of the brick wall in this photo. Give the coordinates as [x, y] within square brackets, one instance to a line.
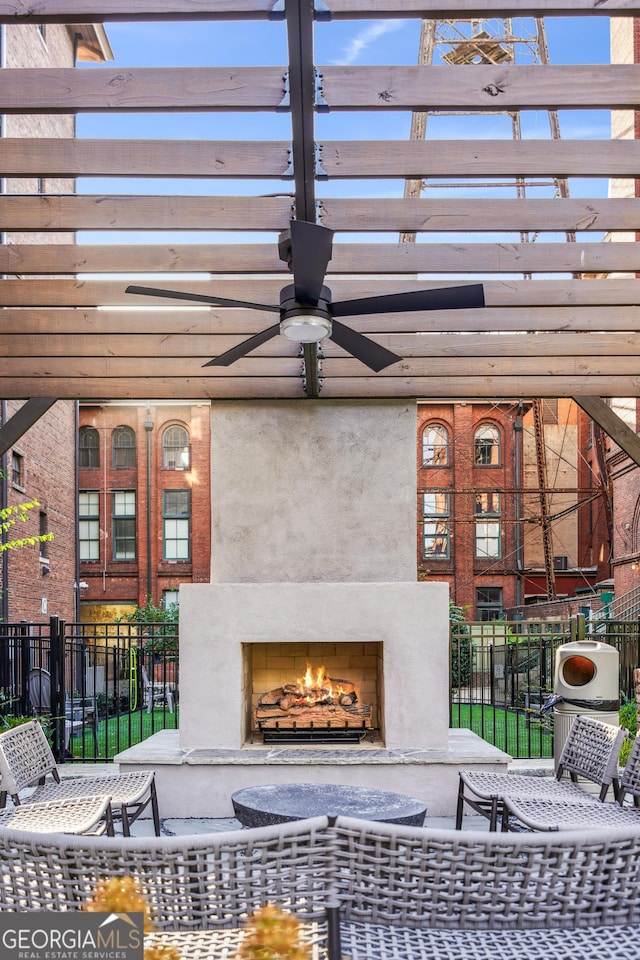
[116, 585]
[48, 454]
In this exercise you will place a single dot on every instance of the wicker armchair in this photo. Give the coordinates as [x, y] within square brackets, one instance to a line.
[591, 751]
[26, 760]
[542, 814]
[363, 890]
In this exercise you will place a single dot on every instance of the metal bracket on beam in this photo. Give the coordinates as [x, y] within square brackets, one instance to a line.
[319, 172]
[319, 212]
[285, 103]
[277, 11]
[288, 173]
[320, 103]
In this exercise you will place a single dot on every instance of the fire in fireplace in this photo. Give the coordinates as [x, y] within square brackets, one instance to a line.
[314, 707]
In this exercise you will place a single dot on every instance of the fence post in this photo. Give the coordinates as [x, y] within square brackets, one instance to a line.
[58, 693]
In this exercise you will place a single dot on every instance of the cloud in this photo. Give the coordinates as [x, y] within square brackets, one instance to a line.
[365, 38]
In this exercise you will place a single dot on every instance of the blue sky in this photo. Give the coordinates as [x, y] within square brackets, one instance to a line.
[571, 40]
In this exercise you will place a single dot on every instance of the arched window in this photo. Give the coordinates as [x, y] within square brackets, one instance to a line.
[435, 445]
[487, 446]
[123, 447]
[175, 448]
[89, 447]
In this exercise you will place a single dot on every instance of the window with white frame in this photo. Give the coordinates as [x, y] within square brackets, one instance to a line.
[435, 445]
[123, 447]
[436, 525]
[175, 448]
[89, 447]
[170, 598]
[89, 524]
[488, 541]
[176, 524]
[124, 524]
[486, 451]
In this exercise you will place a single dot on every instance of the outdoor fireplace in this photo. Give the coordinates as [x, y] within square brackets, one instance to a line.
[327, 693]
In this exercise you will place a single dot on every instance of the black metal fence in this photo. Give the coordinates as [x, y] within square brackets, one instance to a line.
[98, 688]
[502, 673]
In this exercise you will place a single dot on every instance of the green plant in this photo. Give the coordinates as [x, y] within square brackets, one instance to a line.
[158, 626]
[628, 720]
[460, 646]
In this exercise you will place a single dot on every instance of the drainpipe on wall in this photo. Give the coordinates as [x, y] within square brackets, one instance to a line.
[517, 427]
[148, 425]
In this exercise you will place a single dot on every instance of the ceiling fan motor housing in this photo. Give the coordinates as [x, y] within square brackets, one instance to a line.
[305, 323]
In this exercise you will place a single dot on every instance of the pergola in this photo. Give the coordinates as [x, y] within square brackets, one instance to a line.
[568, 330]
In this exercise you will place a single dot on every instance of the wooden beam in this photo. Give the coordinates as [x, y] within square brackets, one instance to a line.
[612, 424]
[340, 159]
[479, 158]
[475, 88]
[474, 216]
[69, 212]
[478, 88]
[258, 366]
[195, 387]
[66, 157]
[498, 293]
[166, 89]
[105, 11]
[48, 212]
[348, 258]
[22, 420]
[207, 345]
[82, 322]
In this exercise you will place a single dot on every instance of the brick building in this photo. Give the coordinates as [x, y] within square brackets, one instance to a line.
[479, 529]
[144, 503]
[41, 580]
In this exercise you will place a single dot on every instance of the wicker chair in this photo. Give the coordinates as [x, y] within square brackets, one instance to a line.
[364, 890]
[543, 815]
[591, 751]
[26, 760]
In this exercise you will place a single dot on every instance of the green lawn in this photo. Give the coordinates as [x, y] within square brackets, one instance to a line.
[505, 729]
[118, 733]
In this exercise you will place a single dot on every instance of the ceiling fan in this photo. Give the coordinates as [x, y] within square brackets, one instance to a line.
[307, 312]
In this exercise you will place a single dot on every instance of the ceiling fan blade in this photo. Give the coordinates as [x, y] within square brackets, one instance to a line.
[362, 348]
[311, 247]
[230, 356]
[200, 298]
[446, 298]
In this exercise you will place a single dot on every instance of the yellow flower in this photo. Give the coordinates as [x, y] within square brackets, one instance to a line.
[273, 935]
[123, 895]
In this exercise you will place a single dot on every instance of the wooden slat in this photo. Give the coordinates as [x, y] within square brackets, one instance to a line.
[479, 158]
[94, 11]
[75, 212]
[184, 322]
[64, 157]
[481, 88]
[498, 293]
[206, 346]
[166, 89]
[266, 388]
[78, 212]
[349, 258]
[250, 366]
[340, 159]
[475, 88]
[104, 11]
[473, 215]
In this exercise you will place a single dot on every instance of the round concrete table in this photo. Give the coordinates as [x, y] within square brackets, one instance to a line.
[284, 802]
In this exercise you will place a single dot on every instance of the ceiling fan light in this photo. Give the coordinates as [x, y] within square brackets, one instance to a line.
[305, 328]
